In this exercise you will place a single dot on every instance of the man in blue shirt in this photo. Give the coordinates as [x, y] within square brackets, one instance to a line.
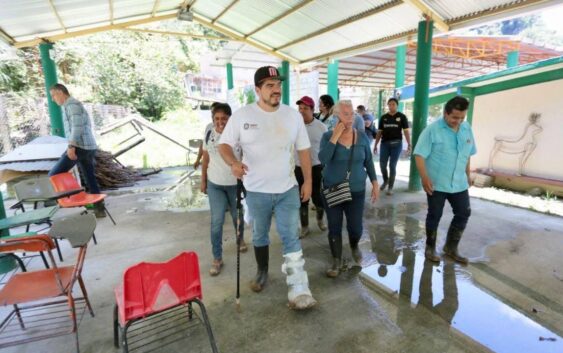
[442, 157]
[81, 142]
[370, 128]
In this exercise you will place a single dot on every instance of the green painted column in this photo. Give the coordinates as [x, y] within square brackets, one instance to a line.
[332, 80]
[400, 61]
[380, 104]
[3, 232]
[468, 93]
[421, 93]
[512, 59]
[230, 81]
[50, 76]
[285, 83]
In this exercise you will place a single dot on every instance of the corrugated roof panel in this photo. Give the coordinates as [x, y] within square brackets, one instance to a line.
[130, 8]
[78, 13]
[380, 25]
[210, 9]
[450, 9]
[38, 17]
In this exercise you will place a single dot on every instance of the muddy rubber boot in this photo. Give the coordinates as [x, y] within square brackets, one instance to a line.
[390, 187]
[304, 215]
[430, 251]
[356, 252]
[336, 251]
[262, 255]
[320, 222]
[452, 241]
[384, 185]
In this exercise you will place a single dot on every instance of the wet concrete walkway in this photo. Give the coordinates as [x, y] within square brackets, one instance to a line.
[507, 300]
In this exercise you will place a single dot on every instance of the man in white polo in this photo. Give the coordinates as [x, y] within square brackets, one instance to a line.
[269, 134]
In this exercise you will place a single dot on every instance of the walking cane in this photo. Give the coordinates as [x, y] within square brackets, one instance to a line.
[240, 192]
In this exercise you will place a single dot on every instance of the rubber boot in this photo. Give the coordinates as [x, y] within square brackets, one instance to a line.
[452, 241]
[430, 251]
[356, 252]
[336, 251]
[390, 186]
[298, 295]
[304, 215]
[320, 223]
[384, 185]
[262, 255]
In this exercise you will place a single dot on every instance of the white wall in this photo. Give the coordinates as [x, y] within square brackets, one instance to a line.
[506, 114]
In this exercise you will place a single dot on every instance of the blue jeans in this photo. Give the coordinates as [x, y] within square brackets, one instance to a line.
[221, 196]
[354, 211]
[286, 208]
[86, 165]
[390, 150]
[460, 207]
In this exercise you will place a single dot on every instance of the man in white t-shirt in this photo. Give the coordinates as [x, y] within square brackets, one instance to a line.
[269, 134]
[315, 131]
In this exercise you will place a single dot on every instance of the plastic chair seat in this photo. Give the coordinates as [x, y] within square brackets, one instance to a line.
[80, 199]
[32, 286]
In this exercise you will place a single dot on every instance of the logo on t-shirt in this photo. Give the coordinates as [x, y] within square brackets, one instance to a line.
[398, 119]
[248, 126]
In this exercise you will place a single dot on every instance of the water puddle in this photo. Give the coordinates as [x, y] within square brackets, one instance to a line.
[183, 197]
[443, 300]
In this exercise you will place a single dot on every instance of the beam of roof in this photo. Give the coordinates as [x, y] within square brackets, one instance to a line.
[179, 34]
[359, 77]
[280, 17]
[363, 46]
[235, 35]
[54, 9]
[155, 7]
[6, 37]
[84, 32]
[431, 13]
[342, 23]
[111, 11]
[233, 3]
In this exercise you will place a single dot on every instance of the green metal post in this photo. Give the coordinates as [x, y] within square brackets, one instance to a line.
[50, 75]
[380, 104]
[421, 93]
[468, 93]
[400, 61]
[3, 232]
[285, 83]
[512, 59]
[332, 72]
[230, 82]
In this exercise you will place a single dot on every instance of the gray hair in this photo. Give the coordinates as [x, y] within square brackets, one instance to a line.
[346, 102]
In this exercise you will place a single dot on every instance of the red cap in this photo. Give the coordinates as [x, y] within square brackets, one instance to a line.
[308, 101]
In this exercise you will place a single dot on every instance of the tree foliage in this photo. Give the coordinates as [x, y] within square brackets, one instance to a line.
[140, 70]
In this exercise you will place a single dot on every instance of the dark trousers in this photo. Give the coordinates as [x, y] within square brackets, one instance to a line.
[460, 207]
[86, 165]
[354, 211]
[390, 151]
[316, 193]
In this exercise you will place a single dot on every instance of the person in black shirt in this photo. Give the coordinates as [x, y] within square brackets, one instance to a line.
[390, 132]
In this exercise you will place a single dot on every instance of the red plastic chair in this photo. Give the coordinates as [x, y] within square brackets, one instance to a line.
[152, 288]
[65, 182]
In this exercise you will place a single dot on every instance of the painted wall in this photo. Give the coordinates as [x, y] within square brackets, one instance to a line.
[506, 114]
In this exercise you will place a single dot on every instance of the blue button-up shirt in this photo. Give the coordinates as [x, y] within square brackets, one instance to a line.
[78, 128]
[446, 154]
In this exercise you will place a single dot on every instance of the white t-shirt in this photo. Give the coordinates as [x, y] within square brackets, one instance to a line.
[315, 131]
[268, 141]
[218, 172]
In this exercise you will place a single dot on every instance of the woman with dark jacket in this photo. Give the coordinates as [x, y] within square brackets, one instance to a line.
[337, 147]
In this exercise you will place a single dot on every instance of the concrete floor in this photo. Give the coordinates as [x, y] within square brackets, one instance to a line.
[505, 300]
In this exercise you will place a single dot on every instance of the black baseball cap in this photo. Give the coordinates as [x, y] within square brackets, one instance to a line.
[266, 72]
